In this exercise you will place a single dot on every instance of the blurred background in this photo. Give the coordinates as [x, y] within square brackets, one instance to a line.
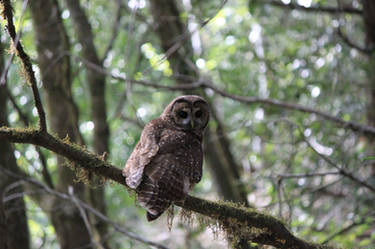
[291, 85]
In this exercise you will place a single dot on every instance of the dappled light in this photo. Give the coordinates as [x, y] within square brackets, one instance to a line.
[288, 153]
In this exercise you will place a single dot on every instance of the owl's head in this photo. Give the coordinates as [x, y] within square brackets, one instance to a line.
[188, 112]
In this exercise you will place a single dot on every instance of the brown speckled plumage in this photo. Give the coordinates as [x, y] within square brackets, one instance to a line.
[167, 161]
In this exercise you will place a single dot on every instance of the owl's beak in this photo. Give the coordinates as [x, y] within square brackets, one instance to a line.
[192, 123]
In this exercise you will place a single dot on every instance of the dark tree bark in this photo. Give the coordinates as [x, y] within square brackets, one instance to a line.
[98, 105]
[3, 228]
[14, 231]
[369, 20]
[54, 62]
[174, 38]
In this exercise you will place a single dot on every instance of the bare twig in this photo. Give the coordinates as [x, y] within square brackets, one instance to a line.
[115, 30]
[279, 198]
[343, 230]
[340, 169]
[356, 127]
[134, 121]
[4, 74]
[7, 14]
[285, 176]
[77, 203]
[23, 116]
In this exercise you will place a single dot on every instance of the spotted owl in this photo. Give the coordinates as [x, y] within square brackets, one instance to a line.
[167, 161]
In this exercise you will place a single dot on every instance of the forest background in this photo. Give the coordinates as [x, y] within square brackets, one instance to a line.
[291, 85]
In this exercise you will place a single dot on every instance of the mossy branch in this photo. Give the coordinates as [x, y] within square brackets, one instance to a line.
[247, 223]
[27, 68]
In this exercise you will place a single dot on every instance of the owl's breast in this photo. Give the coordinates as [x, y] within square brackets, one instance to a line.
[176, 140]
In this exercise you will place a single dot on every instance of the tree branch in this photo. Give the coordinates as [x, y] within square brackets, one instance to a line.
[341, 169]
[324, 9]
[287, 176]
[115, 30]
[356, 127]
[351, 44]
[353, 126]
[257, 227]
[343, 230]
[6, 12]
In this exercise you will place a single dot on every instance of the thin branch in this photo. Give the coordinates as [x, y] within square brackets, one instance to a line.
[268, 230]
[343, 230]
[351, 44]
[279, 198]
[27, 67]
[356, 127]
[4, 74]
[314, 9]
[25, 120]
[285, 176]
[340, 168]
[23, 117]
[83, 205]
[77, 203]
[202, 83]
[115, 30]
[133, 121]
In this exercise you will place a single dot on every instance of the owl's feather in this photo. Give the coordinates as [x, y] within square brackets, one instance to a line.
[146, 148]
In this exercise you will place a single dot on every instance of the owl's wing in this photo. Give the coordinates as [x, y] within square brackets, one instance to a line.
[143, 153]
[196, 171]
[178, 162]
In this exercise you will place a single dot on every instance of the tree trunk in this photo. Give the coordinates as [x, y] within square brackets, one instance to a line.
[174, 38]
[369, 20]
[14, 231]
[98, 105]
[54, 62]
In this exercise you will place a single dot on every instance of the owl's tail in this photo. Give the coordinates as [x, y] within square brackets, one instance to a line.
[151, 217]
[153, 198]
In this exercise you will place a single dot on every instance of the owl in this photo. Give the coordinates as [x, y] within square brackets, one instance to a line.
[167, 161]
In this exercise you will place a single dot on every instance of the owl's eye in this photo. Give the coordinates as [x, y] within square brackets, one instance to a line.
[198, 114]
[182, 114]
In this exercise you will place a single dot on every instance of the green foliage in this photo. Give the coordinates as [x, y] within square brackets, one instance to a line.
[251, 49]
